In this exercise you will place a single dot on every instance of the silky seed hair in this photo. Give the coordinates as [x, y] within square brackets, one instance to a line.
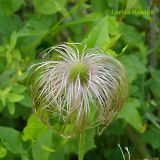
[73, 90]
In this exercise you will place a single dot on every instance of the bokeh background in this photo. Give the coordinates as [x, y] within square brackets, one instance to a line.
[28, 27]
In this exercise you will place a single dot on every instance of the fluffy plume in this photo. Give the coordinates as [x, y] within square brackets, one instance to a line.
[73, 90]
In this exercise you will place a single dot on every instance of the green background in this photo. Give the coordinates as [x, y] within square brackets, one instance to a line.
[28, 27]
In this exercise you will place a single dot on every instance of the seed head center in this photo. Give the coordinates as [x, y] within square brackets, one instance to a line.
[79, 69]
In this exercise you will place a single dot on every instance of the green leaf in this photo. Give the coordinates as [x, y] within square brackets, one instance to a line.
[88, 18]
[3, 95]
[131, 114]
[99, 35]
[8, 7]
[89, 139]
[11, 107]
[133, 69]
[112, 42]
[26, 101]
[41, 148]
[3, 152]
[16, 55]
[12, 97]
[33, 129]
[113, 26]
[152, 137]
[13, 40]
[48, 7]
[131, 4]
[58, 154]
[99, 6]
[111, 52]
[155, 120]
[32, 33]
[13, 24]
[11, 139]
[17, 88]
[5, 91]
[130, 35]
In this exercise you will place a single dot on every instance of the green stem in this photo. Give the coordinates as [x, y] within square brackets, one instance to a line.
[81, 146]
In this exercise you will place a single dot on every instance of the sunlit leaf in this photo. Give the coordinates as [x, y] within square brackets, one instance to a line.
[33, 129]
[3, 152]
[12, 97]
[131, 3]
[113, 26]
[18, 88]
[99, 35]
[112, 42]
[11, 107]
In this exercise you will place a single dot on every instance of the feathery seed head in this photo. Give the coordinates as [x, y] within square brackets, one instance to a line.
[77, 90]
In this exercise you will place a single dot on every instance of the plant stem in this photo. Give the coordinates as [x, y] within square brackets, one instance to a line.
[81, 146]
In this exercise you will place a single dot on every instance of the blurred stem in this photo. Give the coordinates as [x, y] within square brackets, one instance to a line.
[81, 146]
[142, 95]
[152, 35]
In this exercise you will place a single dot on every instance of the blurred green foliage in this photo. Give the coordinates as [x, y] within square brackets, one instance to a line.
[28, 27]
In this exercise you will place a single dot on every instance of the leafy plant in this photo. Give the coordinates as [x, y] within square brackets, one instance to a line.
[29, 27]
